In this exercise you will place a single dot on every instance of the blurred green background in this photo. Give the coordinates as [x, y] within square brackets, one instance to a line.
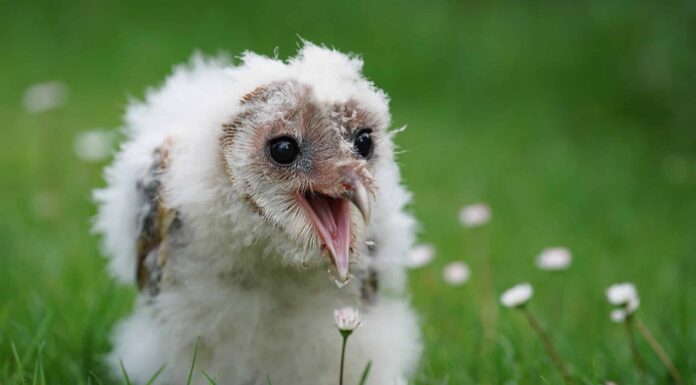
[574, 121]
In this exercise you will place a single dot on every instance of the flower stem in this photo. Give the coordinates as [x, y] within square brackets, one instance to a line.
[488, 306]
[657, 348]
[548, 345]
[634, 348]
[343, 356]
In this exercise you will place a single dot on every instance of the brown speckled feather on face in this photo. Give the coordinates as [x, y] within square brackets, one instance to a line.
[156, 221]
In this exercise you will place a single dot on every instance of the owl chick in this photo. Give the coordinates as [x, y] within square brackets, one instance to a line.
[247, 203]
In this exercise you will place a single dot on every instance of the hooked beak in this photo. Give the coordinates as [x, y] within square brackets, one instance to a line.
[357, 193]
[331, 218]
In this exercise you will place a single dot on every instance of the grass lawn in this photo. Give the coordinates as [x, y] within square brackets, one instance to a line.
[574, 122]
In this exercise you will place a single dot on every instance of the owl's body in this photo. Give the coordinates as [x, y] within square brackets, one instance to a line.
[217, 207]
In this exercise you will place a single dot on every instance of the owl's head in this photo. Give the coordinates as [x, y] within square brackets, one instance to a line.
[302, 150]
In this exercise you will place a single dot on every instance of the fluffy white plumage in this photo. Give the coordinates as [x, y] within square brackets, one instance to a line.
[236, 263]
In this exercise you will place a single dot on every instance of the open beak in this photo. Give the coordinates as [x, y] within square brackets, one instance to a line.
[331, 217]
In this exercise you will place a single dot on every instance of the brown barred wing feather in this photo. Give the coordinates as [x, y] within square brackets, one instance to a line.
[156, 222]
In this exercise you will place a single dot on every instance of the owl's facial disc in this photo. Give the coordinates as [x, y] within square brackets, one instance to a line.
[331, 217]
[302, 164]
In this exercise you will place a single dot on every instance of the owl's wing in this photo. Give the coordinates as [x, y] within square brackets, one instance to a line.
[132, 207]
[156, 224]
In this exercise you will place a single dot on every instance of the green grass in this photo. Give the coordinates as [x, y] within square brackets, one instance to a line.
[575, 122]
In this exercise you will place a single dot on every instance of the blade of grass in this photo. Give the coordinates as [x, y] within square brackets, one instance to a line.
[125, 375]
[154, 376]
[363, 378]
[193, 362]
[210, 379]
[93, 376]
[37, 340]
[268, 379]
[36, 372]
[41, 364]
[18, 361]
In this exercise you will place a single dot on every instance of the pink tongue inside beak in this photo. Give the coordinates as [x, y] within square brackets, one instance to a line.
[332, 218]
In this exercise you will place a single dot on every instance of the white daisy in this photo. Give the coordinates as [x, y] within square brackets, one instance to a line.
[45, 96]
[624, 294]
[347, 319]
[475, 215]
[456, 273]
[554, 259]
[93, 145]
[420, 255]
[517, 295]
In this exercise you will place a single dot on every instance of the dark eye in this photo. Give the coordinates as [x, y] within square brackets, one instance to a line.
[363, 143]
[283, 150]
